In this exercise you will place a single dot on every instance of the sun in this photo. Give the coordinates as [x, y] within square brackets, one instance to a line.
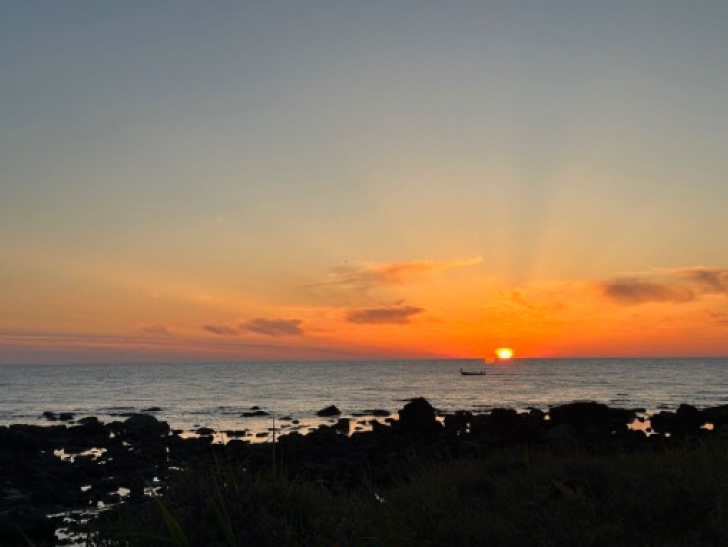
[504, 353]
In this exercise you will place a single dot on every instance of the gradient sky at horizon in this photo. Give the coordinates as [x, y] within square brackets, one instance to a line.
[307, 180]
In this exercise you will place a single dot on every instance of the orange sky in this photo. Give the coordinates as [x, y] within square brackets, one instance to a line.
[367, 310]
[362, 180]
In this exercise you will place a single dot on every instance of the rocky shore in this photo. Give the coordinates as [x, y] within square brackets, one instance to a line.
[49, 472]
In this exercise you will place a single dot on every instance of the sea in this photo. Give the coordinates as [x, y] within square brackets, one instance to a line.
[216, 395]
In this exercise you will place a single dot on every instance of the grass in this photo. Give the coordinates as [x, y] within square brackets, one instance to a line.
[521, 496]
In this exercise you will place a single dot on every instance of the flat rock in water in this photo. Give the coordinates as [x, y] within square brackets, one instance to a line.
[328, 411]
[254, 414]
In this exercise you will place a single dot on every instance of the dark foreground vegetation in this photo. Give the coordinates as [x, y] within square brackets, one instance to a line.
[573, 477]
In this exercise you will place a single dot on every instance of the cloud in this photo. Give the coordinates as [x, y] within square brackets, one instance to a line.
[677, 286]
[719, 317]
[368, 275]
[273, 327]
[633, 292]
[220, 330]
[708, 280]
[154, 330]
[399, 315]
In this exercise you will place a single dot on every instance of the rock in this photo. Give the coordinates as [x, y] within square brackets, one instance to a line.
[152, 409]
[379, 413]
[142, 425]
[504, 419]
[65, 416]
[458, 422]
[205, 431]
[342, 425]
[328, 412]
[716, 415]
[418, 417]
[689, 420]
[254, 414]
[236, 432]
[50, 416]
[663, 422]
[590, 418]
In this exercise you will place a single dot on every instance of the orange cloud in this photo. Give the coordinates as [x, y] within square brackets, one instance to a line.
[273, 327]
[710, 280]
[368, 275]
[220, 330]
[677, 286]
[154, 330]
[633, 292]
[399, 315]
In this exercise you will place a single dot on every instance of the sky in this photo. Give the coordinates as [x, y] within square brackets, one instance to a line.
[201, 181]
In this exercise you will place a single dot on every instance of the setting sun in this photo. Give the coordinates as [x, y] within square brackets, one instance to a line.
[504, 353]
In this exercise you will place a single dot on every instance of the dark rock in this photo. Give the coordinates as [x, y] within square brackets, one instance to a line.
[379, 413]
[50, 416]
[254, 414]
[342, 425]
[89, 420]
[663, 422]
[236, 432]
[716, 415]
[417, 417]
[142, 425]
[152, 409]
[458, 422]
[689, 420]
[328, 412]
[504, 419]
[591, 419]
[325, 435]
[65, 416]
[205, 431]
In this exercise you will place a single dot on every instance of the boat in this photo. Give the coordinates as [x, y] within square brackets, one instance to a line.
[472, 372]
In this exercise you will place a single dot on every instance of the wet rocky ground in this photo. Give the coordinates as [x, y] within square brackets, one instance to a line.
[52, 475]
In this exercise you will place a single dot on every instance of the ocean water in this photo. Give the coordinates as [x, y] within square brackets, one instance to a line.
[215, 395]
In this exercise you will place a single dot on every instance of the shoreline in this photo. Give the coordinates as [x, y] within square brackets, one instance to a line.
[90, 465]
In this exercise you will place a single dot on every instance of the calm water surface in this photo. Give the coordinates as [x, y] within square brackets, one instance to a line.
[214, 395]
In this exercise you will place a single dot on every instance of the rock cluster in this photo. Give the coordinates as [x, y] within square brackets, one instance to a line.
[62, 467]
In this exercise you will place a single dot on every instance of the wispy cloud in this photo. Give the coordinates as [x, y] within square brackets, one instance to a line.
[633, 292]
[273, 327]
[395, 315]
[718, 317]
[676, 286]
[220, 330]
[708, 280]
[155, 329]
[368, 275]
